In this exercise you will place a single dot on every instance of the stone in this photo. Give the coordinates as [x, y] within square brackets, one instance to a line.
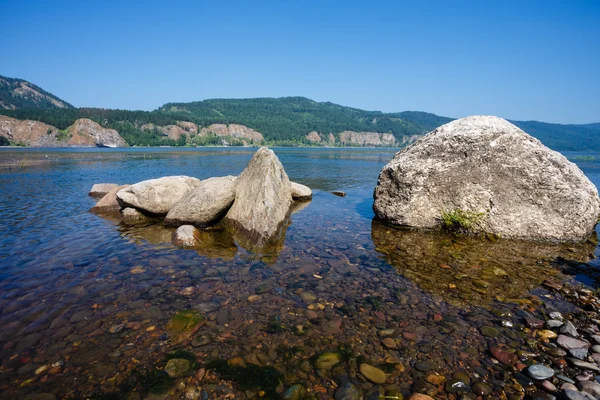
[131, 216]
[596, 348]
[186, 236]
[580, 353]
[572, 395]
[109, 201]
[327, 360]
[553, 323]
[295, 392]
[183, 325]
[569, 329]
[481, 389]
[373, 374]
[300, 192]
[420, 396]
[425, 366]
[100, 190]
[204, 205]
[178, 367]
[567, 343]
[348, 391]
[507, 182]
[590, 387]
[503, 356]
[584, 364]
[489, 331]
[546, 334]
[262, 198]
[540, 372]
[157, 196]
[389, 343]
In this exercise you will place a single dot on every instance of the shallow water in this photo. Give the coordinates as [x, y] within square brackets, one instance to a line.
[90, 300]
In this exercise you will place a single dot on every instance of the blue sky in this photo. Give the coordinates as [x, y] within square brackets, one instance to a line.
[520, 60]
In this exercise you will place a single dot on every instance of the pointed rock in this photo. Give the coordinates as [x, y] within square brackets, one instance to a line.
[262, 199]
[109, 201]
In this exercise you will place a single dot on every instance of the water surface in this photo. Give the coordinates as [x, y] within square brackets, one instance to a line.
[85, 302]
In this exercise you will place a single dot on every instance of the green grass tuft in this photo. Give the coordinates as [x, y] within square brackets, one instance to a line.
[458, 220]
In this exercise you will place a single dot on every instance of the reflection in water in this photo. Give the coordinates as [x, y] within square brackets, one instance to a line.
[219, 241]
[472, 270]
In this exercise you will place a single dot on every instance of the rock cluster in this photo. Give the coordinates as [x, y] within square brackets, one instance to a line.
[488, 175]
[256, 204]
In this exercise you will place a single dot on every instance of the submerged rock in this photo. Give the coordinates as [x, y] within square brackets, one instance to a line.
[131, 216]
[205, 204]
[300, 192]
[157, 196]
[262, 199]
[500, 179]
[183, 325]
[373, 374]
[177, 367]
[186, 236]
[109, 201]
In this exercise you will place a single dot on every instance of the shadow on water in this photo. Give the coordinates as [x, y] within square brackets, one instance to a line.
[473, 270]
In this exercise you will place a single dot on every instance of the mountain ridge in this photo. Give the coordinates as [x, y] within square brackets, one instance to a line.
[290, 120]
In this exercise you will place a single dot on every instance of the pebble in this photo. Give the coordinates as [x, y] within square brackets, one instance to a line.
[177, 367]
[584, 364]
[549, 387]
[435, 379]
[565, 379]
[425, 366]
[503, 356]
[137, 270]
[579, 353]
[573, 395]
[481, 389]
[569, 329]
[553, 323]
[590, 387]
[567, 342]
[327, 360]
[349, 391]
[540, 372]
[489, 331]
[556, 315]
[596, 348]
[523, 380]
[373, 374]
[546, 334]
[389, 343]
[419, 396]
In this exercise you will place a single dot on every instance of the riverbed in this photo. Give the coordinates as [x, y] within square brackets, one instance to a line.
[85, 303]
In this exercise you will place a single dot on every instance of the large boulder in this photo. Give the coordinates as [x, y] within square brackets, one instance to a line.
[109, 201]
[262, 199]
[157, 196]
[205, 204]
[495, 177]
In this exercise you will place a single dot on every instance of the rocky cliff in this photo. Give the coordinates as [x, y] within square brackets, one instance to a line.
[313, 137]
[233, 130]
[173, 131]
[83, 133]
[367, 138]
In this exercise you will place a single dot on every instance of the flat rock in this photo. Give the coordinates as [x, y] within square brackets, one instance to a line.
[109, 201]
[157, 196]
[511, 184]
[300, 192]
[100, 190]
[204, 205]
[567, 342]
[262, 198]
[186, 236]
[584, 364]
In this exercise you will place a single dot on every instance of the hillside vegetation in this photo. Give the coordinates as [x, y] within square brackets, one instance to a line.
[19, 94]
[282, 121]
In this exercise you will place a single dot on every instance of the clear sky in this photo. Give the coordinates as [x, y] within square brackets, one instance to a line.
[516, 59]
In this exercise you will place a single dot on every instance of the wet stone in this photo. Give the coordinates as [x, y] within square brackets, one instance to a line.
[372, 373]
[489, 331]
[295, 392]
[481, 389]
[425, 366]
[177, 367]
[348, 391]
[567, 343]
[572, 395]
[540, 372]
[327, 360]
[596, 348]
[504, 356]
[590, 387]
[579, 353]
[584, 364]
[456, 386]
[569, 329]
[553, 323]
[523, 380]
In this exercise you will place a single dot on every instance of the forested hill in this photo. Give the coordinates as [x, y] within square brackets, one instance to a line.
[20, 94]
[291, 118]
